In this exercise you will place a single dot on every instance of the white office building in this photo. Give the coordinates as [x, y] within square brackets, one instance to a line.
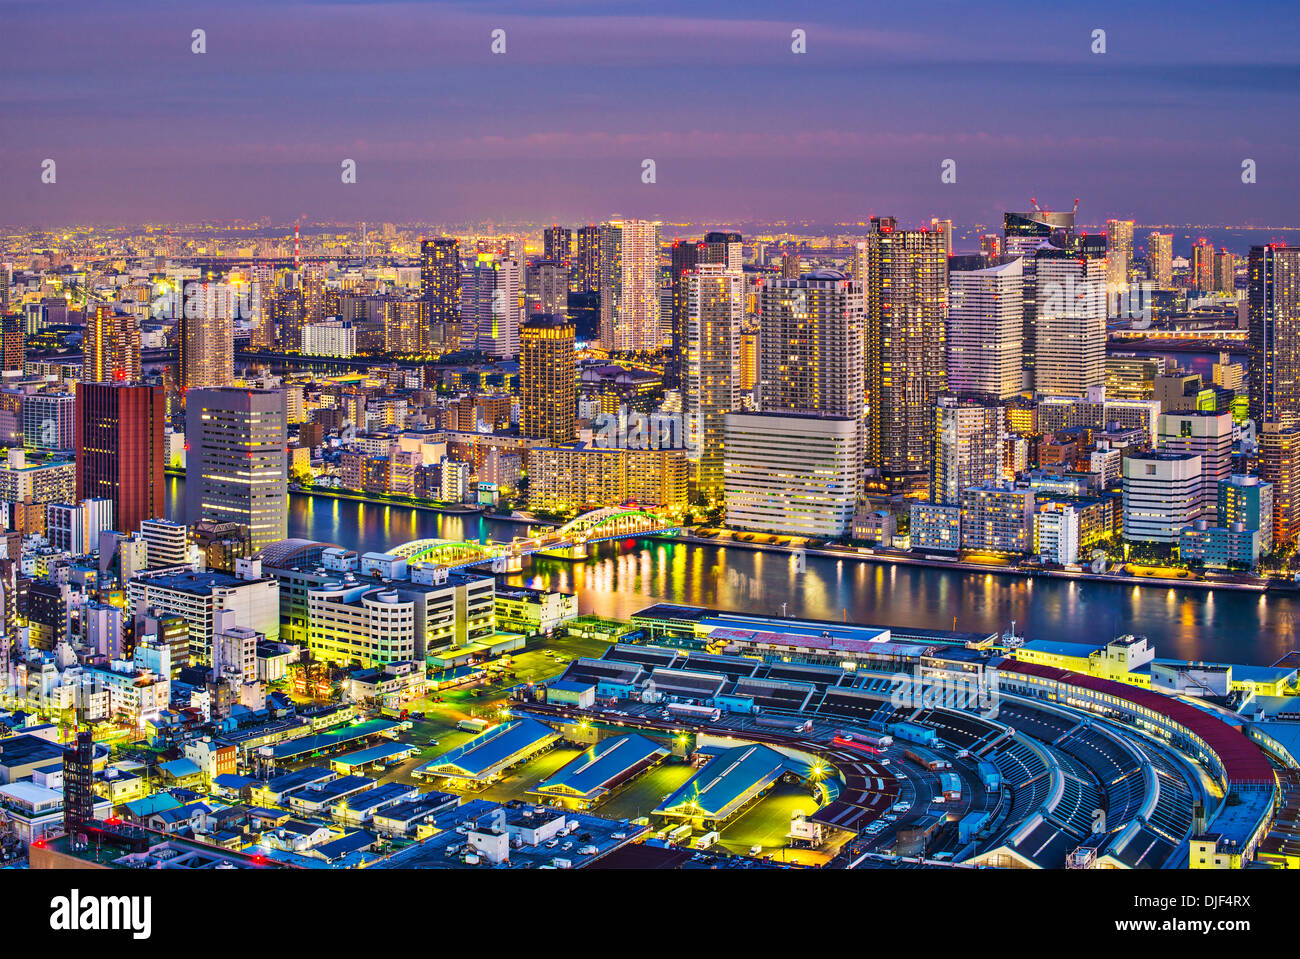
[1162, 494]
[986, 329]
[793, 474]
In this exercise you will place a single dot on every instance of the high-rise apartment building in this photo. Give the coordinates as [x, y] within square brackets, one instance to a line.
[440, 276]
[1274, 334]
[586, 260]
[1225, 272]
[405, 324]
[968, 447]
[629, 285]
[1069, 325]
[557, 244]
[492, 306]
[1119, 252]
[236, 464]
[906, 347]
[111, 346]
[810, 347]
[206, 334]
[714, 307]
[1160, 260]
[985, 326]
[1203, 266]
[12, 342]
[548, 379]
[1279, 464]
[121, 449]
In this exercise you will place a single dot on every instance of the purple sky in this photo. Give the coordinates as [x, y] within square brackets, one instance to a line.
[442, 130]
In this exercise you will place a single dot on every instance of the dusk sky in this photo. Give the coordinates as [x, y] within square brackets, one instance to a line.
[741, 128]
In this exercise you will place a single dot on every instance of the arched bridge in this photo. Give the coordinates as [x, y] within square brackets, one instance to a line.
[571, 539]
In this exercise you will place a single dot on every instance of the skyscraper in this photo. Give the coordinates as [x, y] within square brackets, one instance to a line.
[406, 323]
[557, 244]
[546, 288]
[111, 346]
[1119, 252]
[11, 343]
[548, 378]
[206, 332]
[629, 285]
[1070, 323]
[1279, 464]
[1203, 266]
[492, 306]
[236, 464]
[1225, 272]
[985, 326]
[440, 276]
[1023, 233]
[121, 449]
[906, 347]
[682, 258]
[943, 226]
[968, 446]
[586, 260]
[1160, 258]
[710, 385]
[1274, 334]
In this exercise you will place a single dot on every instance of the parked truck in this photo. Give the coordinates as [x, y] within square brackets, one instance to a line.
[707, 840]
[950, 786]
[699, 714]
[473, 725]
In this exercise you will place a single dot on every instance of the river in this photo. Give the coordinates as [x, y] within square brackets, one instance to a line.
[624, 576]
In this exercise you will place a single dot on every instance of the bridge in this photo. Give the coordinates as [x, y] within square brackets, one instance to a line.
[570, 541]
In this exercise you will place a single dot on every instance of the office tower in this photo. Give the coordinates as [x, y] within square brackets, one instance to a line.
[810, 347]
[1119, 252]
[790, 266]
[943, 226]
[547, 288]
[790, 473]
[1069, 325]
[557, 244]
[405, 324]
[1203, 266]
[985, 326]
[12, 342]
[166, 543]
[440, 277]
[1133, 377]
[121, 450]
[1160, 260]
[236, 468]
[492, 306]
[629, 285]
[548, 378]
[1162, 494]
[1225, 272]
[990, 246]
[111, 346]
[1274, 334]
[4, 289]
[1247, 500]
[906, 347]
[1209, 436]
[206, 334]
[968, 446]
[288, 313]
[710, 386]
[1279, 464]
